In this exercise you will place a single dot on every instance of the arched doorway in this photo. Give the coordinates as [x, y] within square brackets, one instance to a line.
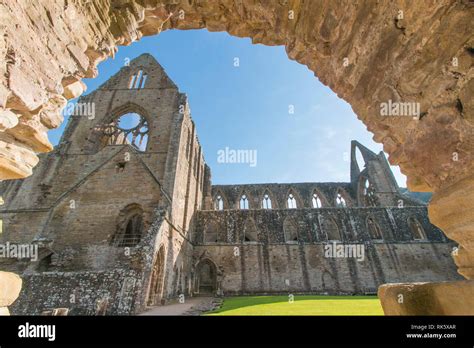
[155, 294]
[206, 278]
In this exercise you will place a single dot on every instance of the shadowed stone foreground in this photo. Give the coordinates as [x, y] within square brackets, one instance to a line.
[428, 298]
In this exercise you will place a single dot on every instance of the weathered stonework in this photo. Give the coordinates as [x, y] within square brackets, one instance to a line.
[427, 298]
[121, 225]
[366, 52]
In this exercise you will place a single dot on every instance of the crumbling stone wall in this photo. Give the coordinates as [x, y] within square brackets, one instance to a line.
[368, 53]
[73, 206]
[272, 265]
[79, 291]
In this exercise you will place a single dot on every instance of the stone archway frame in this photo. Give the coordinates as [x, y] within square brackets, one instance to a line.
[214, 269]
[407, 52]
[157, 278]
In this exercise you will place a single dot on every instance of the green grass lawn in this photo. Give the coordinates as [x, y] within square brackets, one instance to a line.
[302, 305]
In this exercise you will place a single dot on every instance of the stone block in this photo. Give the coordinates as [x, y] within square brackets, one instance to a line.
[10, 286]
[444, 298]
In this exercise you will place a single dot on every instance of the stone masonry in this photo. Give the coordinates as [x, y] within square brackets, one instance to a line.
[125, 216]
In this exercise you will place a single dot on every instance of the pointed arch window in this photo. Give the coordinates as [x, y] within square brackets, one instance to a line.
[213, 233]
[340, 201]
[219, 203]
[332, 230]
[416, 229]
[131, 233]
[266, 201]
[374, 229]
[250, 233]
[291, 201]
[244, 202]
[368, 193]
[316, 201]
[290, 231]
[137, 80]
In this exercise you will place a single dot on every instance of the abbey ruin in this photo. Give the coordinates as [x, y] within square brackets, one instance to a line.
[368, 53]
[127, 216]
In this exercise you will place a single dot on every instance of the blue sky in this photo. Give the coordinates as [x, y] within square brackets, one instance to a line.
[248, 107]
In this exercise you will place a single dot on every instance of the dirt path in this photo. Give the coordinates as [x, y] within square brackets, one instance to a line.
[192, 306]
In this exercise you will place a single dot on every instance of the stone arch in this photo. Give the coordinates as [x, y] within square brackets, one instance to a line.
[375, 232]
[249, 231]
[269, 203]
[331, 228]
[206, 277]
[130, 226]
[213, 233]
[297, 199]
[39, 88]
[366, 192]
[342, 198]
[322, 198]
[138, 78]
[155, 292]
[215, 201]
[416, 229]
[244, 201]
[290, 230]
[328, 282]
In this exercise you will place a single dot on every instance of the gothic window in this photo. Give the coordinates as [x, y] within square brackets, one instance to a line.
[266, 201]
[130, 128]
[130, 227]
[332, 230]
[290, 230]
[244, 202]
[416, 229]
[340, 201]
[374, 229]
[250, 231]
[291, 201]
[137, 80]
[211, 233]
[316, 201]
[132, 232]
[368, 193]
[219, 203]
[144, 77]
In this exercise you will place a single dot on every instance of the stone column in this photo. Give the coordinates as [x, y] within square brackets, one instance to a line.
[451, 209]
[10, 286]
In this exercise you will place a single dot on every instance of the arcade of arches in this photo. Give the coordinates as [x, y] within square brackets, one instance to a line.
[395, 51]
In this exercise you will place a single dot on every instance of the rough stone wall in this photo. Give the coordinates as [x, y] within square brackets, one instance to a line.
[80, 292]
[72, 206]
[367, 52]
[352, 223]
[279, 268]
[303, 193]
[272, 265]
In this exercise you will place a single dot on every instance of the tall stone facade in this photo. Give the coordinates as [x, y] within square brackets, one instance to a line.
[124, 216]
